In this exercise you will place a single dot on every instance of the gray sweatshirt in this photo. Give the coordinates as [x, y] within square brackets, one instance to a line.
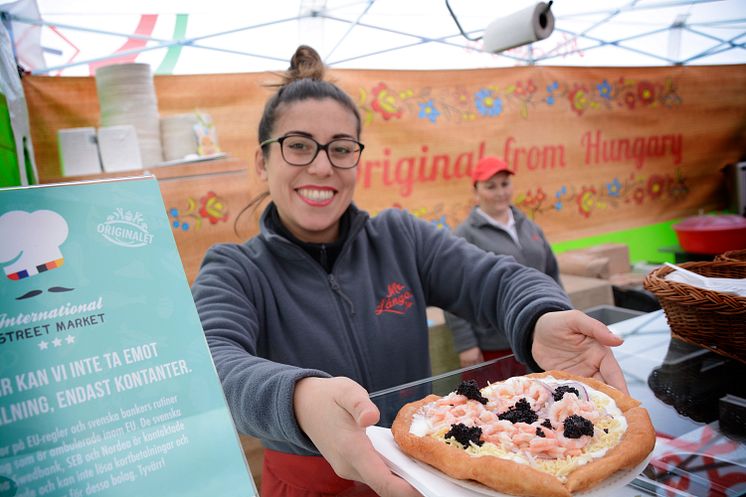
[272, 315]
[533, 250]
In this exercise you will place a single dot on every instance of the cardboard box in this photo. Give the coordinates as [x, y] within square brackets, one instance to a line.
[586, 292]
[579, 263]
[617, 253]
[627, 280]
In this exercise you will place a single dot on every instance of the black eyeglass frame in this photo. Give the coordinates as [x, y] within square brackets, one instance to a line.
[319, 147]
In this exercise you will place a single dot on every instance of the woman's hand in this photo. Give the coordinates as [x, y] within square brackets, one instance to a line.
[575, 342]
[334, 413]
[471, 356]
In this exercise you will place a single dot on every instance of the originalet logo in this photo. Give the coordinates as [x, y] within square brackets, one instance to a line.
[126, 229]
[397, 300]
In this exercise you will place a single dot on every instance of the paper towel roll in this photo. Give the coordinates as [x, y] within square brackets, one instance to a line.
[522, 27]
[178, 136]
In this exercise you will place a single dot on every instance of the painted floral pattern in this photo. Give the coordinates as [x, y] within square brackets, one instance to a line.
[461, 104]
[210, 206]
[614, 193]
[213, 208]
[438, 214]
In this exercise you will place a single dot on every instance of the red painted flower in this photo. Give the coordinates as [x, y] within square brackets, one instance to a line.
[213, 208]
[586, 200]
[540, 195]
[656, 186]
[527, 199]
[579, 101]
[646, 92]
[385, 102]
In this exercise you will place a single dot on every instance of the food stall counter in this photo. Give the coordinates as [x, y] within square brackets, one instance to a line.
[695, 398]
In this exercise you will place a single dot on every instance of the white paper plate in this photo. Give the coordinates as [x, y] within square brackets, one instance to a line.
[433, 483]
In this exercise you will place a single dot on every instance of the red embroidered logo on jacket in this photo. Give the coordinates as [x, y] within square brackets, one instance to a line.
[397, 300]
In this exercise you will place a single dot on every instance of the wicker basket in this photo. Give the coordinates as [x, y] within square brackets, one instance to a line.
[732, 256]
[709, 319]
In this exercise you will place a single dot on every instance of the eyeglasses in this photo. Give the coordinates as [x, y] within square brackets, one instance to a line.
[300, 150]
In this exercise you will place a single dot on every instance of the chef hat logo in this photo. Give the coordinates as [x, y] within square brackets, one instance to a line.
[31, 242]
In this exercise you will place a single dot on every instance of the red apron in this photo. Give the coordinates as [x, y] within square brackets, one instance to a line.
[290, 475]
[510, 366]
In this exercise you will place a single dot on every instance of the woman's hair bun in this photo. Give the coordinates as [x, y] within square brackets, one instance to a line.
[305, 63]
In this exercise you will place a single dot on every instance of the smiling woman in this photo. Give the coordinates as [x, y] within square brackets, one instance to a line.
[327, 303]
[311, 197]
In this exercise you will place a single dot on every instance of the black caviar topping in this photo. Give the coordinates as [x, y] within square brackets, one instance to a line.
[606, 430]
[561, 390]
[520, 413]
[470, 390]
[577, 426]
[547, 424]
[540, 432]
[466, 434]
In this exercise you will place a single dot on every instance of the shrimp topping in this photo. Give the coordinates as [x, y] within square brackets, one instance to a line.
[545, 423]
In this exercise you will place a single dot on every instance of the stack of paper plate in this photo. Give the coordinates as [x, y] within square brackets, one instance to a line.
[178, 136]
[126, 95]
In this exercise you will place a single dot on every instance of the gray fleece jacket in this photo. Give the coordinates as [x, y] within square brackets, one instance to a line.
[272, 315]
[532, 250]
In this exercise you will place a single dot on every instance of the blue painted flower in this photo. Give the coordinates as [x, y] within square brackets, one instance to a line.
[550, 100]
[185, 226]
[558, 206]
[614, 188]
[174, 212]
[175, 224]
[428, 111]
[487, 103]
[441, 223]
[604, 89]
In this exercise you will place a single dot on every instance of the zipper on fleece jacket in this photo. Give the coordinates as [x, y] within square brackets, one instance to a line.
[338, 290]
[323, 256]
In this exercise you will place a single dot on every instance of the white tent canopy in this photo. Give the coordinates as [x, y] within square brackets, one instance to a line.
[223, 36]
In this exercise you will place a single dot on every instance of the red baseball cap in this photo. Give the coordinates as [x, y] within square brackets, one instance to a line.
[487, 167]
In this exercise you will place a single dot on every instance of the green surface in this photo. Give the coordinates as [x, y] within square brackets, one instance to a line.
[9, 174]
[645, 243]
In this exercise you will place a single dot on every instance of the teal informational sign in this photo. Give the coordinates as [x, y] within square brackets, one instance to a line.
[107, 386]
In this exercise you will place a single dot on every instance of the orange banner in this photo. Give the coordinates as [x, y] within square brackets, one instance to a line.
[594, 149]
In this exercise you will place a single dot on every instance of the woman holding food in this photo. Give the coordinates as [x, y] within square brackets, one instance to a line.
[327, 304]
